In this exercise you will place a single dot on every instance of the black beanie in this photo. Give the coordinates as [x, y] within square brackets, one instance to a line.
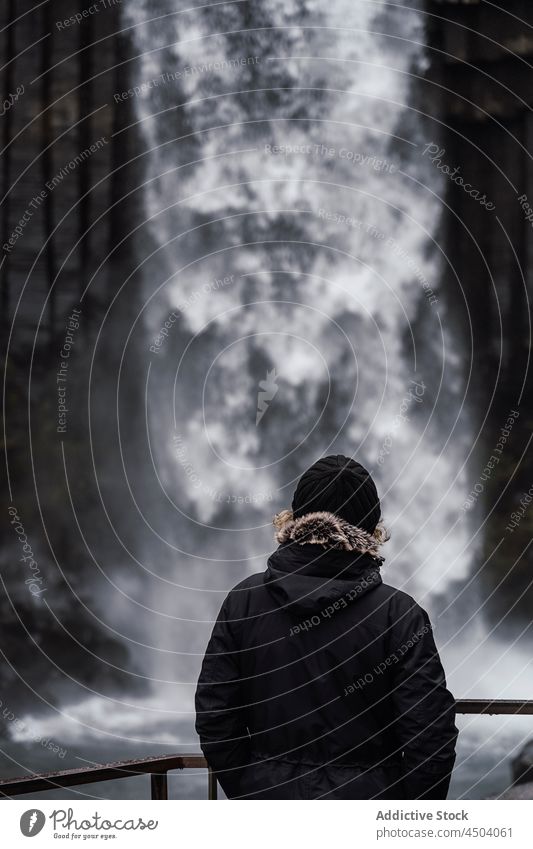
[339, 485]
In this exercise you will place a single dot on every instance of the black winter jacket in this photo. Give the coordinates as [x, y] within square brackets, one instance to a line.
[320, 681]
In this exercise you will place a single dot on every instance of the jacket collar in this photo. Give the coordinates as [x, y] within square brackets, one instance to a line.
[310, 577]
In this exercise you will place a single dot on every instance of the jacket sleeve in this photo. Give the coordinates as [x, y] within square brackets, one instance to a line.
[220, 713]
[424, 709]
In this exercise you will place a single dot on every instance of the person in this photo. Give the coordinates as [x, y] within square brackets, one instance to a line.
[319, 680]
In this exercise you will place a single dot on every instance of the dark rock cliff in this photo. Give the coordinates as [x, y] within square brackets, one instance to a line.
[479, 90]
[68, 170]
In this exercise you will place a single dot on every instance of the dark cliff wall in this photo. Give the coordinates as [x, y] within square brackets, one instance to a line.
[56, 188]
[480, 89]
[68, 202]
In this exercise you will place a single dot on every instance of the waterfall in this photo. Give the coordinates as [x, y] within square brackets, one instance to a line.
[291, 215]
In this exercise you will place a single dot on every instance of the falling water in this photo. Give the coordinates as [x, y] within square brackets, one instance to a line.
[292, 215]
[288, 250]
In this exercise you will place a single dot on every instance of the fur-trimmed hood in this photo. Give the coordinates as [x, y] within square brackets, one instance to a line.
[329, 531]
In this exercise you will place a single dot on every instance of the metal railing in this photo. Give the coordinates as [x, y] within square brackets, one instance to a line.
[495, 706]
[158, 767]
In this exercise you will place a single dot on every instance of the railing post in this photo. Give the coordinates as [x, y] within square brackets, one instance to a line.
[159, 785]
[211, 785]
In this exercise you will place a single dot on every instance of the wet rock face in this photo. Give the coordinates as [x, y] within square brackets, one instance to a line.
[478, 36]
[63, 172]
[57, 172]
[478, 87]
[522, 767]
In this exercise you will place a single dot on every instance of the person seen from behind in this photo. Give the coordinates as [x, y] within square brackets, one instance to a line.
[320, 681]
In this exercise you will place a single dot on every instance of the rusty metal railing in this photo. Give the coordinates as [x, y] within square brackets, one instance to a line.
[158, 767]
